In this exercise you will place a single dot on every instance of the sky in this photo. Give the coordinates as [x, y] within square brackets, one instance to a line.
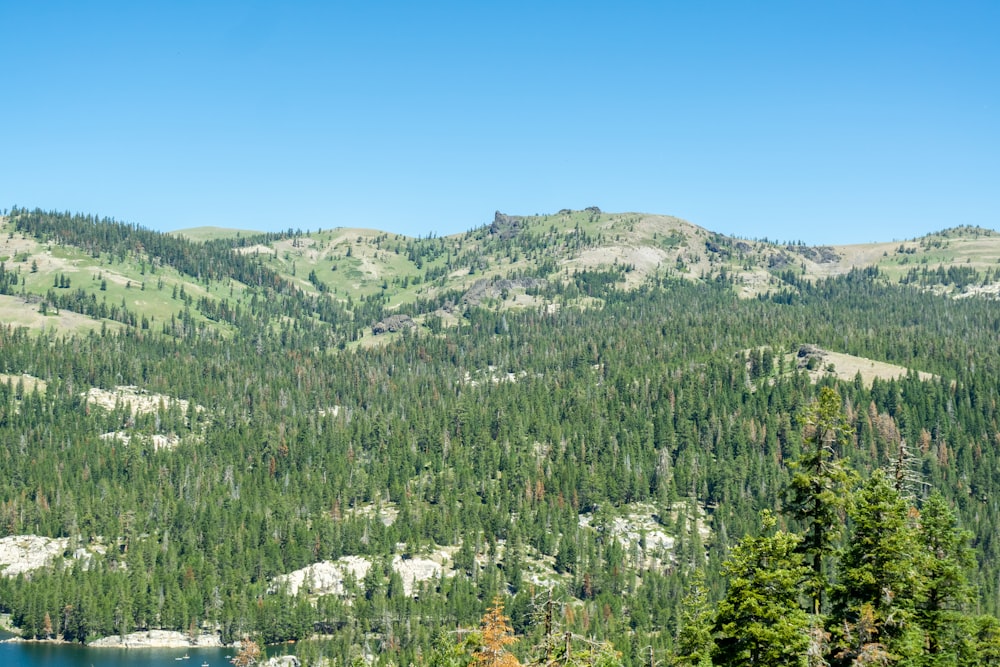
[821, 121]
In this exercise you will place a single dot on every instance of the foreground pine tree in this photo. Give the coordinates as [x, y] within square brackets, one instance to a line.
[946, 592]
[695, 643]
[881, 573]
[818, 491]
[760, 621]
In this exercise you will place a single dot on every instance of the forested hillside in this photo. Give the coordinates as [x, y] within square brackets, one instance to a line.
[544, 419]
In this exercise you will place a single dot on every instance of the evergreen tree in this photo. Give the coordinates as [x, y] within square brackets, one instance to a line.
[695, 643]
[760, 622]
[817, 493]
[946, 591]
[881, 571]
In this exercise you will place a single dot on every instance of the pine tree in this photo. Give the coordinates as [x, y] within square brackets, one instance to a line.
[496, 636]
[694, 638]
[817, 492]
[760, 621]
[946, 589]
[881, 569]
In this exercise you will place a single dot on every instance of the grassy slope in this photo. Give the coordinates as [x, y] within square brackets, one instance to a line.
[211, 233]
[361, 262]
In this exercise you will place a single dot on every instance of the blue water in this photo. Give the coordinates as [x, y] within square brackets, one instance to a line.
[27, 654]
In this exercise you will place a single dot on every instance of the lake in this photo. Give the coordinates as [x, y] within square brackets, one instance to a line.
[24, 654]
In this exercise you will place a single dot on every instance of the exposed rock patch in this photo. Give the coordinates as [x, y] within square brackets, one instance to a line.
[809, 355]
[159, 441]
[24, 553]
[823, 254]
[385, 513]
[482, 289]
[820, 363]
[283, 661]
[491, 375]
[139, 401]
[29, 382]
[506, 226]
[158, 639]
[642, 534]
[392, 324]
[780, 260]
[415, 570]
[328, 577]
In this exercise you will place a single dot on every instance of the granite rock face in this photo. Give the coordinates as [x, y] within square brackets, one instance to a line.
[157, 639]
[24, 553]
[328, 577]
[493, 288]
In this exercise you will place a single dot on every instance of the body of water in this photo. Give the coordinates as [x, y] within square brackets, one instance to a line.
[29, 654]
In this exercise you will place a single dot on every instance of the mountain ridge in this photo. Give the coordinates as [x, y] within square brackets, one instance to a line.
[347, 264]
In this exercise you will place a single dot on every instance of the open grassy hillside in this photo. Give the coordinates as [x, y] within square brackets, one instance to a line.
[507, 263]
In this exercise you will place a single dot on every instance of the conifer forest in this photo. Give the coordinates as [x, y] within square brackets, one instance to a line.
[484, 450]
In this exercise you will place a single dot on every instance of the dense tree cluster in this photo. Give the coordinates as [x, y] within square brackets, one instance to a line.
[490, 437]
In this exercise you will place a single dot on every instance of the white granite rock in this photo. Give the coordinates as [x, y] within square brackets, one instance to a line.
[24, 553]
[157, 639]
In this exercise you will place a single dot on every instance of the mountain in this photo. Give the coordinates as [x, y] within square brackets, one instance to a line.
[65, 265]
[368, 437]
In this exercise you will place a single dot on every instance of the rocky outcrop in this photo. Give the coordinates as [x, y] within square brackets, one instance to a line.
[327, 577]
[506, 226]
[810, 356]
[392, 324]
[158, 639]
[414, 570]
[24, 553]
[820, 254]
[482, 289]
[283, 661]
[138, 401]
[780, 261]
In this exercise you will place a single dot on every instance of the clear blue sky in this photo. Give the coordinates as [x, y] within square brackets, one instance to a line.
[828, 122]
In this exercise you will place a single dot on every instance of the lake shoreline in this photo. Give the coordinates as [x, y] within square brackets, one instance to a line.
[153, 639]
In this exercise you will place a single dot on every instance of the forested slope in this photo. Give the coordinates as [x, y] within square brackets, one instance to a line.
[513, 439]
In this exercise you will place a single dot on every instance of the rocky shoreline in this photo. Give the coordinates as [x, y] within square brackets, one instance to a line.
[145, 639]
[161, 639]
[158, 639]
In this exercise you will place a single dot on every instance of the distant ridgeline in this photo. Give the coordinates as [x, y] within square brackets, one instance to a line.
[617, 462]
